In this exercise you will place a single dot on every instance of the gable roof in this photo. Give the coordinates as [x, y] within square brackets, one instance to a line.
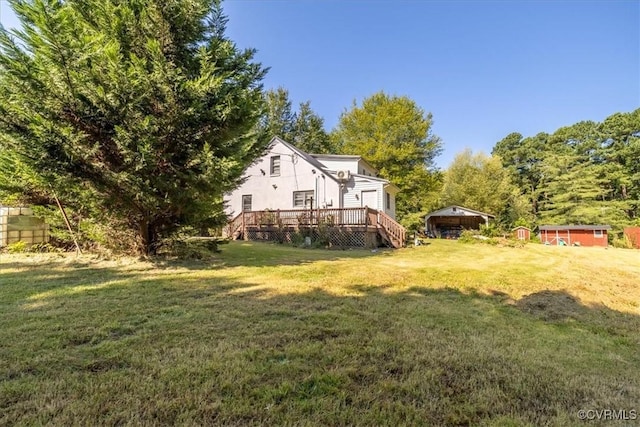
[376, 179]
[448, 211]
[574, 227]
[345, 157]
[307, 157]
[312, 159]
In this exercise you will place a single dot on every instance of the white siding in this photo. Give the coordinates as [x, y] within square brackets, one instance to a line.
[392, 209]
[296, 174]
[354, 188]
[353, 165]
[363, 169]
[350, 165]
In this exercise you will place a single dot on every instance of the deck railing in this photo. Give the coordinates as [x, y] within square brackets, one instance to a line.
[307, 217]
[395, 230]
[296, 218]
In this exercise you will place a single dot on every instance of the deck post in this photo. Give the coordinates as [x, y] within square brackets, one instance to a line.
[244, 228]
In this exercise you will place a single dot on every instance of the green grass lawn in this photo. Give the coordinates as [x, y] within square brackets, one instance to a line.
[443, 334]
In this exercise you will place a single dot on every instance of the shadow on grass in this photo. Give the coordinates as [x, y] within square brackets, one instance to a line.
[51, 272]
[186, 349]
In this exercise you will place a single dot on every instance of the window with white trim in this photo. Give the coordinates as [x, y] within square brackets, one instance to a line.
[246, 203]
[388, 200]
[598, 233]
[275, 166]
[303, 199]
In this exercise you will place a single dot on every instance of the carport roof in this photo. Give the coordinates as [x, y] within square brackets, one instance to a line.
[457, 211]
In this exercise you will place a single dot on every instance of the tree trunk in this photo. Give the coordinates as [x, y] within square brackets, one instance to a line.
[148, 235]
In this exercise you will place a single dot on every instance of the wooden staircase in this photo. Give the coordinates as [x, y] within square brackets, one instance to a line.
[390, 230]
[233, 230]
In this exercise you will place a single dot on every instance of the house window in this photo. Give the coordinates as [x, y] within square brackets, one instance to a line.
[303, 199]
[388, 200]
[246, 203]
[597, 233]
[275, 165]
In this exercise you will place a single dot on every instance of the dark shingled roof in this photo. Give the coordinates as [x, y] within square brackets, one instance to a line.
[574, 227]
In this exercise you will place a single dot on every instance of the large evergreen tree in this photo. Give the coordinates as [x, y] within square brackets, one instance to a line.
[523, 158]
[278, 118]
[308, 131]
[145, 105]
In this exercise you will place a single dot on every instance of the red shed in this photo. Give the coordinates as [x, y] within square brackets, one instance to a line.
[521, 233]
[633, 233]
[577, 235]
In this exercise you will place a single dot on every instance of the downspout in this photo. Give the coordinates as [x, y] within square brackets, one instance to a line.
[324, 194]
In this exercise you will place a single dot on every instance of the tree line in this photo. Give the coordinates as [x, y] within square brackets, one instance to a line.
[585, 173]
[140, 115]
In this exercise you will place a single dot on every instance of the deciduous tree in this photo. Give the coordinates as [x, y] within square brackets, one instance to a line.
[480, 182]
[395, 135]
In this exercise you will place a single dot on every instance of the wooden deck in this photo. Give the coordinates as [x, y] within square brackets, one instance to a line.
[343, 227]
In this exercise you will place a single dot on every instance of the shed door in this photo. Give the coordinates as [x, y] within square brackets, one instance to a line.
[369, 198]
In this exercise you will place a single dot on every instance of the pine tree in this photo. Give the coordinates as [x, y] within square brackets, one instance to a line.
[146, 105]
[585, 173]
[308, 131]
[302, 128]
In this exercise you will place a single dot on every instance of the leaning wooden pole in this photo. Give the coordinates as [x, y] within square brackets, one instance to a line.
[66, 220]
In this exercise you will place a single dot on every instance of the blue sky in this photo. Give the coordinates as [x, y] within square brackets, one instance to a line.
[482, 68]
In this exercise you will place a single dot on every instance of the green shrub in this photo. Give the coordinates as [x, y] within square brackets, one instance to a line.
[323, 239]
[190, 248]
[414, 222]
[468, 236]
[623, 242]
[297, 239]
[490, 230]
[18, 247]
[44, 248]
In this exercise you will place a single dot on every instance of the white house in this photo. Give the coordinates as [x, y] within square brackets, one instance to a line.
[288, 178]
